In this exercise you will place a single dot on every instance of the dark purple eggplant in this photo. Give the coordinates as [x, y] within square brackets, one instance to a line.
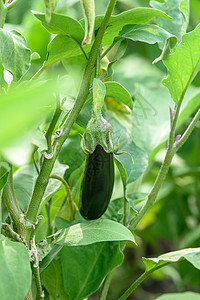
[97, 184]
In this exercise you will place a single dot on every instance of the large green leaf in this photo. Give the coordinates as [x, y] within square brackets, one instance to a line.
[181, 74]
[53, 281]
[23, 108]
[94, 232]
[178, 10]
[180, 296]
[14, 55]
[192, 255]
[15, 270]
[150, 34]
[62, 25]
[85, 267]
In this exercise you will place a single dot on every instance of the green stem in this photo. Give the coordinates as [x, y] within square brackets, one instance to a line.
[3, 13]
[40, 293]
[188, 131]
[9, 232]
[12, 4]
[156, 187]
[35, 163]
[171, 150]
[11, 202]
[48, 164]
[138, 282]
[98, 66]
[125, 207]
[108, 49]
[48, 213]
[66, 185]
[52, 126]
[105, 286]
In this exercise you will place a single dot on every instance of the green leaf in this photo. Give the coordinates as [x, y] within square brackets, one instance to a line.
[53, 281]
[148, 33]
[4, 172]
[89, 17]
[151, 112]
[15, 270]
[22, 108]
[39, 140]
[180, 296]
[62, 25]
[122, 171]
[139, 157]
[14, 55]
[178, 10]
[60, 47]
[49, 8]
[85, 267]
[139, 15]
[45, 262]
[99, 93]
[180, 75]
[94, 232]
[119, 53]
[192, 255]
[151, 34]
[119, 93]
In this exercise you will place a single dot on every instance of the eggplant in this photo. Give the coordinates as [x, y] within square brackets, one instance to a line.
[97, 184]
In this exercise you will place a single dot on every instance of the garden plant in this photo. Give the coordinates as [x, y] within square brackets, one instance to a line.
[99, 149]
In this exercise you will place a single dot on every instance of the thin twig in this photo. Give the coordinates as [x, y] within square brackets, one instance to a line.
[139, 281]
[12, 4]
[188, 131]
[52, 125]
[105, 286]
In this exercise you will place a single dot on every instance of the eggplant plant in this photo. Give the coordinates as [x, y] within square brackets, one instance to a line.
[83, 84]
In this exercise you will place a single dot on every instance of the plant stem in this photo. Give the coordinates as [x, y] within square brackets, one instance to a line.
[156, 187]
[105, 286]
[48, 213]
[35, 163]
[66, 185]
[12, 4]
[52, 126]
[48, 164]
[188, 131]
[125, 207]
[3, 12]
[108, 49]
[40, 293]
[138, 281]
[9, 232]
[11, 202]
[171, 150]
